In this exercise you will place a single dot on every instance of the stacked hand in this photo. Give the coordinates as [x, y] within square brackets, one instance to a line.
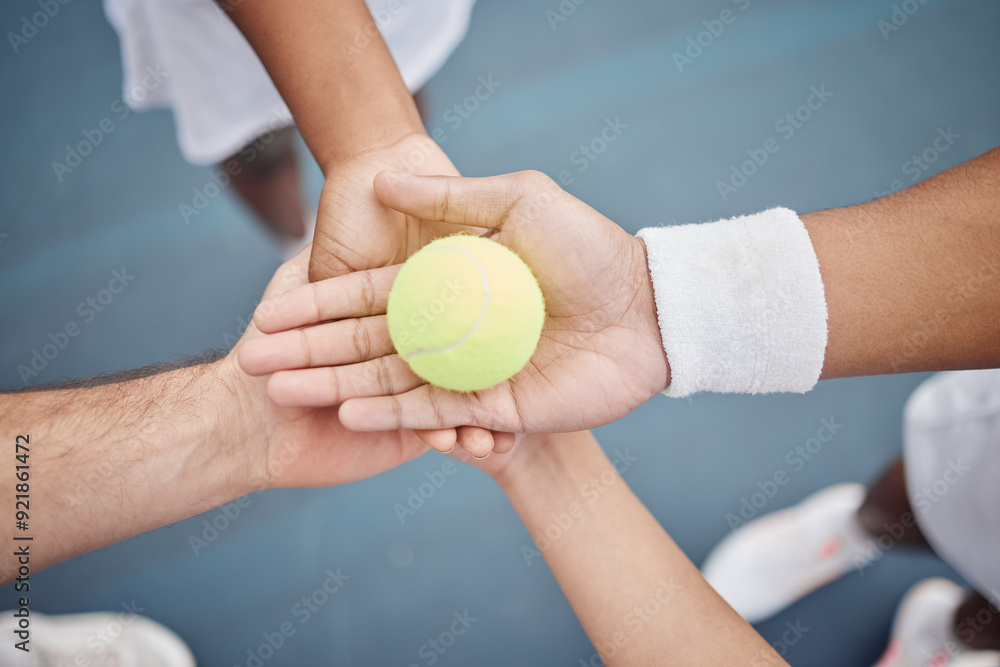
[302, 445]
[600, 355]
[355, 231]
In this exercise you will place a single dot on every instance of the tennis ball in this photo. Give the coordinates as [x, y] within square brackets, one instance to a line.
[465, 313]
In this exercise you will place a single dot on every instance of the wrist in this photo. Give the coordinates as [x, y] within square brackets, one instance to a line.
[201, 431]
[405, 134]
[740, 302]
[241, 430]
[554, 465]
[645, 302]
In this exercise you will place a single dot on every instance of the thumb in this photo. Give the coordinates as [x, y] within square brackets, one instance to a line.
[477, 202]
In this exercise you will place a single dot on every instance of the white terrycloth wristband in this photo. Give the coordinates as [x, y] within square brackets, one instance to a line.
[740, 303]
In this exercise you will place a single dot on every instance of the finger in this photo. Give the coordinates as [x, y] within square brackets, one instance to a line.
[477, 441]
[480, 202]
[443, 439]
[357, 294]
[332, 385]
[503, 442]
[333, 344]
[428, 407]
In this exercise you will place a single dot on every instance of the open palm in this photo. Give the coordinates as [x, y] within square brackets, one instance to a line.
[600, 355]
[355, 231]
[308, 446]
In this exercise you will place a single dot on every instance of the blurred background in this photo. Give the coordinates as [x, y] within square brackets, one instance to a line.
[686, 122]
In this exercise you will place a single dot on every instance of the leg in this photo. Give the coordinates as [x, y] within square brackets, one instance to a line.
[977, 623]
[886, 509]
[269, 182]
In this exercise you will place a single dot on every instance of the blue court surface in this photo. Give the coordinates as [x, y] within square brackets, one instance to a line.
[887, 79]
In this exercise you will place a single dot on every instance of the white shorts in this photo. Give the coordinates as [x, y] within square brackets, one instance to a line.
[189, 56]
[951, 447]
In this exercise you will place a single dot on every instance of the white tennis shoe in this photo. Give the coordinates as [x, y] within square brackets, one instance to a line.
[122, 639]
[769, 563]
[923, 632]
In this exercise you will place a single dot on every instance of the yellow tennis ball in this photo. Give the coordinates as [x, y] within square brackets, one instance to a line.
[465, 313]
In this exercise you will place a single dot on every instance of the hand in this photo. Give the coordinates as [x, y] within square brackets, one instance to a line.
[304, 446]
[354, 230]
[600, 355]
[532, 458]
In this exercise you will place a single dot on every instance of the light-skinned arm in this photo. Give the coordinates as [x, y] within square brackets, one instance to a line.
[640, 599]
[127, 454]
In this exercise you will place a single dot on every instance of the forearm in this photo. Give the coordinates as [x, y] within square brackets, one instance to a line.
[637, 595]
[328, 60]
[913, 280]
[112, 461]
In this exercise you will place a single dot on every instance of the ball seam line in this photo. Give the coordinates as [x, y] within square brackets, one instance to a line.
[482, 312]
